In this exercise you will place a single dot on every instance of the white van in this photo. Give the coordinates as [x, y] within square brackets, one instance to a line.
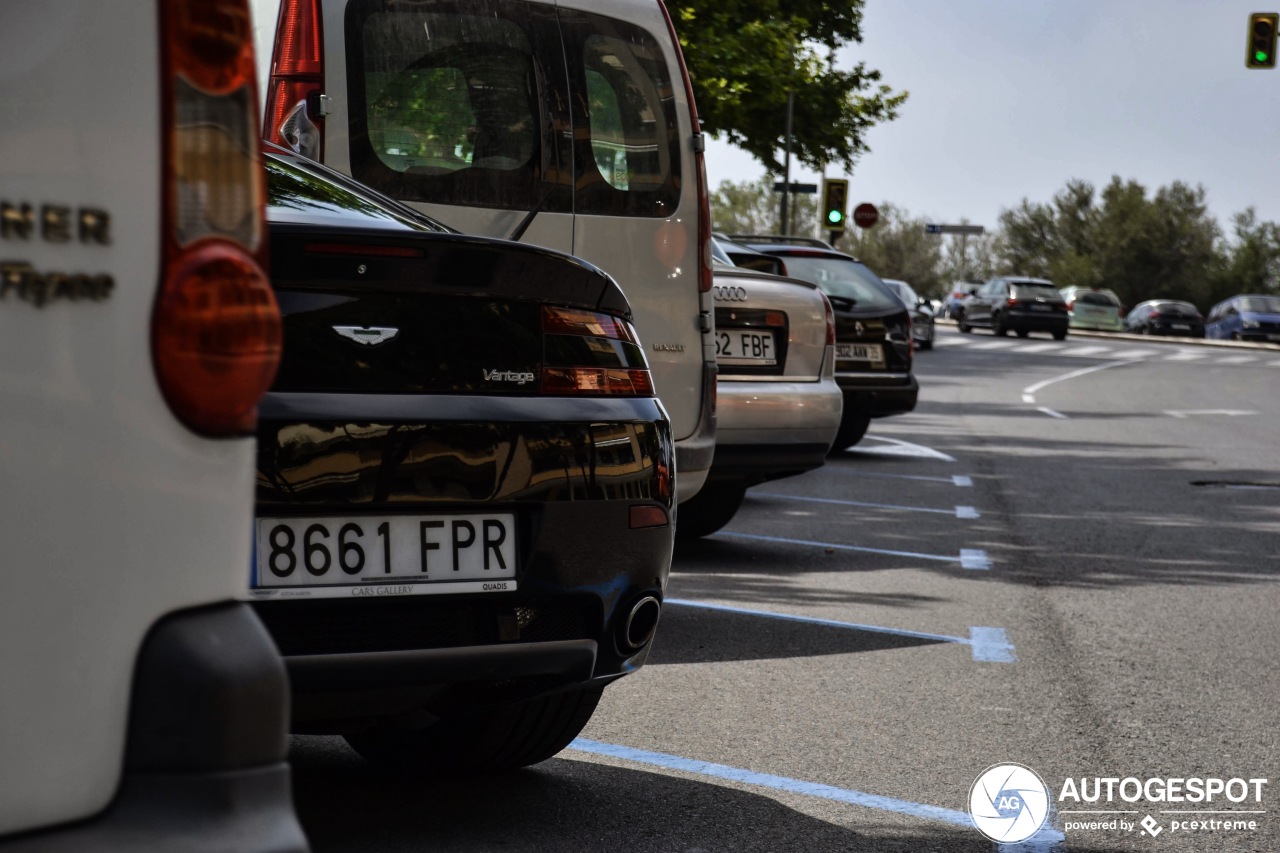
[141, 706]
[565, 123]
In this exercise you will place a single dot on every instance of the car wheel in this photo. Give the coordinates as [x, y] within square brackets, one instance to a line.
[997, 326]
[965, 328]
[852, 429]
[1060, 336]
[493, 739]
[711, 508]
[927, 343]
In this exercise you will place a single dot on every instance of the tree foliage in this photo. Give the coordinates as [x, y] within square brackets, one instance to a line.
[745, 55]
[1142, 245]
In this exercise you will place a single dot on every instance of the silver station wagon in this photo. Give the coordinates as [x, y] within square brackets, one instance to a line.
[778, 406]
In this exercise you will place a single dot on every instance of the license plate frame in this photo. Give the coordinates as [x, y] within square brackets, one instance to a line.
[753, 347]
[339, 556]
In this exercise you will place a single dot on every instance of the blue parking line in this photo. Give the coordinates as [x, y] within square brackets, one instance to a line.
[1046, 841]
[968, 558]
[987, 645]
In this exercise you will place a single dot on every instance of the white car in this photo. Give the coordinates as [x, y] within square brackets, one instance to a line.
[476, 114]
[142, 706]
[779, 405]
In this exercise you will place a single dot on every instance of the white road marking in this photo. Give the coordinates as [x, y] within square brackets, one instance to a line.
[973, 558]
[949, 341]
[968, 559]
[1033, 348]
[962, 481]
[1087, 351]
[1135, 353]
[988, 345]
[838, 502]
[903, 448]
[1185, 356]
[1186, 413]
[1031, 390]
[1236, 359]
[1051, 413]
[967, 512]
[958, 480]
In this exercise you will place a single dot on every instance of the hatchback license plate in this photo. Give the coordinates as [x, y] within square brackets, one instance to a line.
[740, 346]
[385, 555]
[859, 352]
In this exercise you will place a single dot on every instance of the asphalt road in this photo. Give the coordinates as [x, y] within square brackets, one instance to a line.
[1065, 558]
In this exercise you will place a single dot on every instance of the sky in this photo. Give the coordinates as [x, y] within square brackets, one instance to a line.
[1009, 99]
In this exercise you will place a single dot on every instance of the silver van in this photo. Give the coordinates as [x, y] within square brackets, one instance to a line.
[566, 124]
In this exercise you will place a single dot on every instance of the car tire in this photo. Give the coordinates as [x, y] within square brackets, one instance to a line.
[851, 432]
[927, 343]
[491, 740]
[965, 328]
[711, 508]
[1060, 336]
[998, 327]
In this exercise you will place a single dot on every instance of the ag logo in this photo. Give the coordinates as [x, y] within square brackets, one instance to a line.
[1008, 803]
[727, 293]
[369, 336]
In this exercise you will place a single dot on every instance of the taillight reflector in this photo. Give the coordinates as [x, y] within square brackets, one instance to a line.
[642, 516]
[215, 329]
[610, 363]
[596, 380]
[297, 74]
[571, 321]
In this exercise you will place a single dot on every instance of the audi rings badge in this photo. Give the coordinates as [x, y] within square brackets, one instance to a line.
[730, 293]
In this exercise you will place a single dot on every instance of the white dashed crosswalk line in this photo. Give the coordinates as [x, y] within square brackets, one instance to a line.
[1236, 359]
[1087, 351]
[994, 345]
[1185, 356]
[1031, 348]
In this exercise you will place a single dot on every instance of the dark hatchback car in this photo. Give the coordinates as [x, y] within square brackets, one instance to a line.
[1165, 317]
[1021, 305]
[464, 486]
[873, 331]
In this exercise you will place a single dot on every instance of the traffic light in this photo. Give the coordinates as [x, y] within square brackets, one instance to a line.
[835, 201]
[1262, 40]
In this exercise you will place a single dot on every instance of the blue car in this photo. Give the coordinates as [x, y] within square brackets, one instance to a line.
[1247, 317]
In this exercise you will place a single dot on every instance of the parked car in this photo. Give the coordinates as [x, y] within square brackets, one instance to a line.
[1165, 317]
[1012, 303]
[567, 124]
[142, 706]
[778, 402]
[922, 325]
[465, 483]
[1093, 308]
[960, 291]
[739, 255]
[873, 332]
[1248, 317]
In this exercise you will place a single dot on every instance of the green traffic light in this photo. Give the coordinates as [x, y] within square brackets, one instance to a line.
[1260, 56]
[834, 216]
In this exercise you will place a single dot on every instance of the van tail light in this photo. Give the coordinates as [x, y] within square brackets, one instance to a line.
[215, 328]
[1071, 304]
[1011, 301]
[700, 165]
[592, 354]
[293, 117]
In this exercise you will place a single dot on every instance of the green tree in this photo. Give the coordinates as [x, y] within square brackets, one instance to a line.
[745, 55]
[751, 207]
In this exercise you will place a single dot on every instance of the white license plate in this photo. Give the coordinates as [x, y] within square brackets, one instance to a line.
[739, 346]
[385, 555]
[1038, 307]
[1183, 326]
[859, 352]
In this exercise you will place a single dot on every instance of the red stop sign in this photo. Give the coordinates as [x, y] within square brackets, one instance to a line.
[865, 215]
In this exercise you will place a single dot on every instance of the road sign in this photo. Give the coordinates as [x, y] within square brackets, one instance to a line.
[802, 189]
[954, 229]
[865, 215]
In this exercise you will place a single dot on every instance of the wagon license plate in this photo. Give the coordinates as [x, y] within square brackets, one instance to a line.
[1036, 306]
[1186, 327]
[740, 346]
[384, 555]
[859, 352]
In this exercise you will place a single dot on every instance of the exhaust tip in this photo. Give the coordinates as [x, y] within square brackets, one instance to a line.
[641, 622]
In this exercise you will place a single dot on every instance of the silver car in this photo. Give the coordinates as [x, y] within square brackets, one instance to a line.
[778, 406]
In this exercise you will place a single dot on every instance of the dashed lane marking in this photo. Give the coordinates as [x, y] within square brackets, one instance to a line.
[956, 480]
[1051, 413]
[959, 512]
[898, 447]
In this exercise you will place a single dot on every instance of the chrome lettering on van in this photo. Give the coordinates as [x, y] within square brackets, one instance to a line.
[57, 223]
[668, 347]
[23, 281]
[519, 377]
